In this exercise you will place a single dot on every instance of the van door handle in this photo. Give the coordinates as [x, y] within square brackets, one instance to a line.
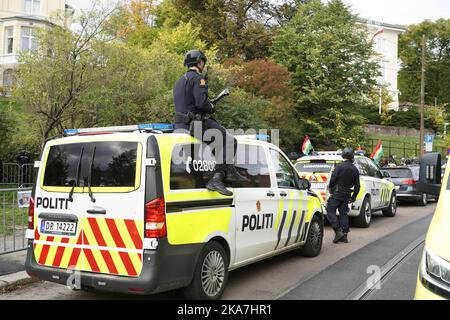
[270, 194]
[96, 210]
[283, 194]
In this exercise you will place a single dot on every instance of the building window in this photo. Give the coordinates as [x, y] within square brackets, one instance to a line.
[29, 41]
[33, 6]
[9, 36]
[381, 42]
[8, 78]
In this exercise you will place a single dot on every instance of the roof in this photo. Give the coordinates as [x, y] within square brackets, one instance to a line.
[27, 18]
[395, 27]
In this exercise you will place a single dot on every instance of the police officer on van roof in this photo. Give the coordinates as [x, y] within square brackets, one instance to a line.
[192, 104]
[344, 187]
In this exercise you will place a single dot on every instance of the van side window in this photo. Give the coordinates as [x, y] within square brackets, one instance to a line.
[284, 171]
[251, 162]
[114, 164]
[192, 167]
[61, 166]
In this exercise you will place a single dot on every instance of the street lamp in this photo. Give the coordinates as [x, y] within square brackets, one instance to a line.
[445, 129]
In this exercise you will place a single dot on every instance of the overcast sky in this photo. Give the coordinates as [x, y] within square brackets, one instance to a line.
[390, 11]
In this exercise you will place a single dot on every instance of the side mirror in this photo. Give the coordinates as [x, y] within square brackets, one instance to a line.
[386, 174]
[430, 174]
[304, 184]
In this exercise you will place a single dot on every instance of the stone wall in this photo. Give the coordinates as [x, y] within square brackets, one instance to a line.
[373, 129]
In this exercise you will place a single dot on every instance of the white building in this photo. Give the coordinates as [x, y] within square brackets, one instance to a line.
[385, 37]
[18, 22]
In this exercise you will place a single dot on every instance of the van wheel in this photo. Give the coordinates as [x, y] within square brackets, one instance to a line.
[365, 215]
[313, 244]
[423, 201]
[392, 209]
[210, 275]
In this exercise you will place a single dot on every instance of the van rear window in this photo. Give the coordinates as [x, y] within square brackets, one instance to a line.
[62, 162]
[113, 164]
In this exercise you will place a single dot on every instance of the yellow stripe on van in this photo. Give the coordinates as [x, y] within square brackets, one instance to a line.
[195, 227]
[280, 212]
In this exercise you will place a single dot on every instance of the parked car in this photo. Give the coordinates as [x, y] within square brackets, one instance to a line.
[377, 193]
[405, 179]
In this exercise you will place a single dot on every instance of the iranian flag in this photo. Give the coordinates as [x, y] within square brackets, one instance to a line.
[377, 154]
[307, 146]
[378, 32]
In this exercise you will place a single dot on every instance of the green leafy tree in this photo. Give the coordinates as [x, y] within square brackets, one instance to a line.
[438, 62]
[332, 65]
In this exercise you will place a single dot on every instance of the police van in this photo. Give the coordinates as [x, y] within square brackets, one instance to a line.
[126, 210]
[376, 193]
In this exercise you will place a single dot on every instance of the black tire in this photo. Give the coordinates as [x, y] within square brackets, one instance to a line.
[423, 201]
[214, 255]
[365, 215]
[314, 240]
[391, 211]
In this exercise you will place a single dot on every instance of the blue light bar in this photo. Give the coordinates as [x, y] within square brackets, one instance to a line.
[146, 126]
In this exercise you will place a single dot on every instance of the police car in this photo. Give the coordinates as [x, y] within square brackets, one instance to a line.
[126, 210]
[377, 193]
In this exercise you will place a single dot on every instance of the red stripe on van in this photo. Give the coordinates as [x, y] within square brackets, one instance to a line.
[115, 233]
[90, 257]
[128, 264]
[134, 233]
[76, 252]
[101, 242]
[59, 253]
[44, 252]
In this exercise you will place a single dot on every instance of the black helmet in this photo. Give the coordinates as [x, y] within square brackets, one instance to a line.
[348, 153]
[193, 57]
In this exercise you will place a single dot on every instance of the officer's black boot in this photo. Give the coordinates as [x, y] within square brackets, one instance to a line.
[216, 184]
[234, 176]
[344, 239]
[338, 235]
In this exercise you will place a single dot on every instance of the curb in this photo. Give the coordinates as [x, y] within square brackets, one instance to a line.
[10, 281]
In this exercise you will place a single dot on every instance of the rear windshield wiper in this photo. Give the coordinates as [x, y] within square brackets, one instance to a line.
[76, 177]
[90, 177]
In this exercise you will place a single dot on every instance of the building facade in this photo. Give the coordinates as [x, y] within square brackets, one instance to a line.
[385, 38]
[19, 20]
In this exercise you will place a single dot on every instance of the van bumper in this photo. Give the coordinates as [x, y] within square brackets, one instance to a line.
[162, 270]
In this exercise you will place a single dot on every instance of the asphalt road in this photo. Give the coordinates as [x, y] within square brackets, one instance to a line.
[337, 272]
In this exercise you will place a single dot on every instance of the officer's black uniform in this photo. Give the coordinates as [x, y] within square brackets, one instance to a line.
[344, 178]
[192, 104]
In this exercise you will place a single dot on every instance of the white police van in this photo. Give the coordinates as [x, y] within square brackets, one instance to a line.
[377, 193]
[126, 209]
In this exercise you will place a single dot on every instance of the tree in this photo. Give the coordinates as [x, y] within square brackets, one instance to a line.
[236, 28]
[438, 62]
[330, 59]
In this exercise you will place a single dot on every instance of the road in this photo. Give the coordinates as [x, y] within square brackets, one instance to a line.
[336, 273]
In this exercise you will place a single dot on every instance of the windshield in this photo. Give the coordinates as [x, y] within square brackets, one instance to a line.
[314, 167]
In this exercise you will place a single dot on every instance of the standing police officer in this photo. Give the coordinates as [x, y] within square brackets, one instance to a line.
[344, 178]
[192, 105]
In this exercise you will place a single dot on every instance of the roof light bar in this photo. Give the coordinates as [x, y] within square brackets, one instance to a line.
[147, 126]
[262, 137]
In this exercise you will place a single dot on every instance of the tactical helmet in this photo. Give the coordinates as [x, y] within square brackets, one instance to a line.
[193, 57]
[348, 153]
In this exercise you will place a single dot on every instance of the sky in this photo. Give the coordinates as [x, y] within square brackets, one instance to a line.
[390, 11]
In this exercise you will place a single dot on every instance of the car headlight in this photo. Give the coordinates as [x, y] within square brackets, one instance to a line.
[435, 271]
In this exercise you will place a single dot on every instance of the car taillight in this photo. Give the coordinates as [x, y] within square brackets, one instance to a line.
[155, 219]
[409, 181]
[31, 214]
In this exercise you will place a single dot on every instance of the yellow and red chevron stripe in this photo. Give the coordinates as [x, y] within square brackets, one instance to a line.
[316, 178]
[103, 245]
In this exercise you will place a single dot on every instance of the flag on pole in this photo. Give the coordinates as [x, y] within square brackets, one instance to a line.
[307, 146]
[379, 31]
[377, 154]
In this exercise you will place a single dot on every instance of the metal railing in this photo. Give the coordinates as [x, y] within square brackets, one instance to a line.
[13, 175]
[403, 149]
[13, 220]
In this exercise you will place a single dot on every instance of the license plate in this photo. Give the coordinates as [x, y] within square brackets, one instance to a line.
[318, 185]
[59, 227]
